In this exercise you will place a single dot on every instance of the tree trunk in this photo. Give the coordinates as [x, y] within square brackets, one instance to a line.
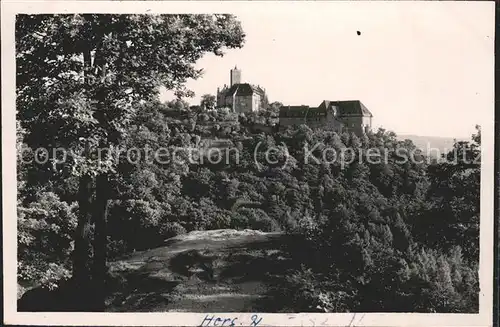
[87, 65]
[100, 241]
[81, 254]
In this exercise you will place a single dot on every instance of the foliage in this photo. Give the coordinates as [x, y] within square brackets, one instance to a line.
[208, 101]
[45, 239]
[254, 218]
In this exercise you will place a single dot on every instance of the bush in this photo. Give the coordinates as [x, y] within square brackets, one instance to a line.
[252, 218]
[303, 224]
[307, 292]
[171, 229]
[137, 225]
[45, 233]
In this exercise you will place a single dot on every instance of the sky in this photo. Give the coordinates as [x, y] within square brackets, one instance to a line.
[424, 68]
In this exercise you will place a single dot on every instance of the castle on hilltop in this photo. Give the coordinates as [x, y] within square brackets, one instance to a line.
[241, 97]
[339, 116]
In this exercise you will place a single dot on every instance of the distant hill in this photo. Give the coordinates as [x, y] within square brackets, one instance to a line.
[443, 144]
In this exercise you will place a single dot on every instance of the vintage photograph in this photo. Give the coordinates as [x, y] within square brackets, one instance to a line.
[252, 161]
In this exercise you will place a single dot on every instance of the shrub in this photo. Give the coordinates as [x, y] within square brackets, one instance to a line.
[303, 224]
[171, 229]
[45, 233]
[307, 291]
[253, 218]
[136, 225]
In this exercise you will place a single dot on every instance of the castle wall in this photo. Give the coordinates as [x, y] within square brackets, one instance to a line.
[256, 102]
[328, 123]
[333, 124]
[316, 122]
[354, 124]
[243, 103]
[332, 121]
[228, 102]
[367, 122]
[221, 99]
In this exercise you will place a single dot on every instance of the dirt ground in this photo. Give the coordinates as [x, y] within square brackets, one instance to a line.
[207, 271]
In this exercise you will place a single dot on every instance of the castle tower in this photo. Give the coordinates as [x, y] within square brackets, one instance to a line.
[235, 76]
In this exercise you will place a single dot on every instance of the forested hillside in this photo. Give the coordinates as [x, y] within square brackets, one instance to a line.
[387, 236]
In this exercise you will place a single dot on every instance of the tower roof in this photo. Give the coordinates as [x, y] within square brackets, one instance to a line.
[244, 89]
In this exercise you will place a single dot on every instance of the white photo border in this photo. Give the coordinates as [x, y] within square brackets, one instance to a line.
[9, 184]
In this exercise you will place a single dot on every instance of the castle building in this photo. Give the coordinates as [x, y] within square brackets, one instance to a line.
[339, 116]
[241, 97]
